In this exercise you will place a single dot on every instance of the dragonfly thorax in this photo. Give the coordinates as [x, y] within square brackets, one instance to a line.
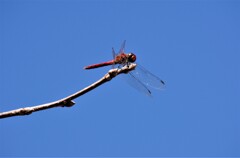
[132, 57]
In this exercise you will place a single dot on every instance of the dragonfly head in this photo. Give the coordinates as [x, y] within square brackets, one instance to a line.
[132, 57]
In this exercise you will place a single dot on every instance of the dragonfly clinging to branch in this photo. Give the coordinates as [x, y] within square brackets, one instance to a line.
[140, 78]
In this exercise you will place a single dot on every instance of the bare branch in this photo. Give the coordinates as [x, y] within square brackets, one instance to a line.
[68, 101]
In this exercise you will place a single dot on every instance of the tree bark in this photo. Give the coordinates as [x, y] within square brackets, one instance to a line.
[68, 101]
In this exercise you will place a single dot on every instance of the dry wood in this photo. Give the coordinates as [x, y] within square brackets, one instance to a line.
[68, 101]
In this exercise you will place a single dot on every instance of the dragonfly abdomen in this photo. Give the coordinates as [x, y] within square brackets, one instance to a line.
[111, 62]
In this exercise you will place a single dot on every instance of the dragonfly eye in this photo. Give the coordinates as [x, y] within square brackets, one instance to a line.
[132, 57]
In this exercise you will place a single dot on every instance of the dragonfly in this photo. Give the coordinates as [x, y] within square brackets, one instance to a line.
[139, 78]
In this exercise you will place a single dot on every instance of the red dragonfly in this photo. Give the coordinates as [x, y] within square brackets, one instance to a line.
[140, 78]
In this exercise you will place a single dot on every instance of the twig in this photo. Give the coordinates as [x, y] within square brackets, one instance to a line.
[68, 101]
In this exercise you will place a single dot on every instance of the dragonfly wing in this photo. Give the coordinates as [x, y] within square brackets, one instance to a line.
[122, 49]
[113, 53]
[114, 56]
[133, 81]
[147, 78]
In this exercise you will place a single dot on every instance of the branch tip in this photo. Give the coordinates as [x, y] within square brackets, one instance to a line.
[68, 101]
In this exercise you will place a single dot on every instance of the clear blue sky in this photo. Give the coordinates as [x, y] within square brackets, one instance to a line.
[194, 46]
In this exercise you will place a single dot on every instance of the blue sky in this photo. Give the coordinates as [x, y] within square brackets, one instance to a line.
[192, 45]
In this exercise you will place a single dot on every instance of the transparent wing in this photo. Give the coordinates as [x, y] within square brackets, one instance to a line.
[114, 56]
[122, 49]
[113, 53]
[136, 84]
[147, 78]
